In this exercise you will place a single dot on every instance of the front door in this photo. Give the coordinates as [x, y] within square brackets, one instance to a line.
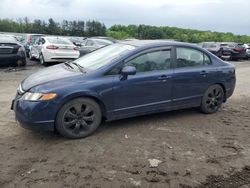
[150, 89]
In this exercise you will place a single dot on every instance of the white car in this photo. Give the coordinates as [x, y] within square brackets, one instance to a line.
[53, 49]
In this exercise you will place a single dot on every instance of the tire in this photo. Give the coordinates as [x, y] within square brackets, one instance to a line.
[212, 99]
[78, 118]
[41, 59]
[20, 63]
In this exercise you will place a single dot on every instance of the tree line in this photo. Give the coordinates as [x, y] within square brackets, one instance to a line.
[51, 27]
[179, 34]
[96, 28]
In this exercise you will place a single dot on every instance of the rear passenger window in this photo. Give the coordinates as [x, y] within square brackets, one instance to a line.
[187, 57]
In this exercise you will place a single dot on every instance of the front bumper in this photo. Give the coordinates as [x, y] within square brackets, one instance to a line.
[34, 115]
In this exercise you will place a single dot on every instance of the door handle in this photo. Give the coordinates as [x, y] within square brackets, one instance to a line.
[164, 77]
[203, 73]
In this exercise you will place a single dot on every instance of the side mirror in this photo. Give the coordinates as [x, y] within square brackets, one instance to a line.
[127, 70]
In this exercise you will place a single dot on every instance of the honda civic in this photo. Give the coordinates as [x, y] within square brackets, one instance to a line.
[122, 80]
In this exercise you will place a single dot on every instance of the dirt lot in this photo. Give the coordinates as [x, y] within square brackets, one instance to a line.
[194, 150]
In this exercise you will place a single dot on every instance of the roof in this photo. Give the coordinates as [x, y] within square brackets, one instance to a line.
[140, 43]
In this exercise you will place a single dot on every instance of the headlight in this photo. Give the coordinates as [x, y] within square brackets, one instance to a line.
[38, 96]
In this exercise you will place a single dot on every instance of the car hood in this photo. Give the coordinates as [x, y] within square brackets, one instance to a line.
[53, 73]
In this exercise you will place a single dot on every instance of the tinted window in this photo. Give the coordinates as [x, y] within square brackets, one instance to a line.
[42, 41]
[151, 61]
[187, 57]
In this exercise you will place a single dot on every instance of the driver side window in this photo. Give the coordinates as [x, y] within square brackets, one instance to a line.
[152, 61]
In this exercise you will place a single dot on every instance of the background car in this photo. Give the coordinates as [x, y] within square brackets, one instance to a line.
[92, 44]
[28, 40]
[237, 50]
[216, 49]
[53, 49]
[247, 47]
[12, 53]
[123, 80]
[78, 41]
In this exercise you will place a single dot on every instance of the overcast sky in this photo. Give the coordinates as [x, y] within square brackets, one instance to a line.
[216, 15]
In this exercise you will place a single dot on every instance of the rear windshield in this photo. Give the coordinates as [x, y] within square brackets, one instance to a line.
[7, 39]
[57, 40]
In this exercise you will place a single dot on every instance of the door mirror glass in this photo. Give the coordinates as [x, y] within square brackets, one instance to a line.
[128, 70]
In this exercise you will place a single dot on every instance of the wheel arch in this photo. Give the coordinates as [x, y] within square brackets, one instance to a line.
[224, 89]
[92, 96]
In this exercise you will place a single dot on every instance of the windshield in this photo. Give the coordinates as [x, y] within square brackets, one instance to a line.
[56, 40]
[103, 56]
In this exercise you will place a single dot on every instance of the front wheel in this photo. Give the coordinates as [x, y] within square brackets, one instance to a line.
[78, 118]
[212, 99]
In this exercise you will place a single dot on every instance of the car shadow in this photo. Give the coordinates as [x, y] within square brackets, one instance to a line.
[148, 119]
[106, 127]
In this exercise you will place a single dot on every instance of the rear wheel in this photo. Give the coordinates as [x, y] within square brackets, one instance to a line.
[41, 58]
[78, 118]
[212, 99]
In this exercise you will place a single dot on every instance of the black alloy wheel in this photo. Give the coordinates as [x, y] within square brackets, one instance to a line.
[212, 99]
[78, 118]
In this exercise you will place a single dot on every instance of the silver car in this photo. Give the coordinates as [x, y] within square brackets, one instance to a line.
[247, 46]
[92, 44]
[53, 49]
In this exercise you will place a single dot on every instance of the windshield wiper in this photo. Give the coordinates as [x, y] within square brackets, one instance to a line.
[79, 67]
[68, 64]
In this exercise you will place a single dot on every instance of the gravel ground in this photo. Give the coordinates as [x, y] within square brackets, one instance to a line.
[189, 149]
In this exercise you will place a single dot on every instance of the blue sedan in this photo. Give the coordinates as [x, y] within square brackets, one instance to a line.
[122, 80]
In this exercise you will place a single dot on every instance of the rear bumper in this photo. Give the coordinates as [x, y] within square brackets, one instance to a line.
[56, 59]
[51, 56]
[11, 59]
[239, 55]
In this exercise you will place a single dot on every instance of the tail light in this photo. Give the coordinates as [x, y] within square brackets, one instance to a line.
[52, 47]
[21, 49]
[75, 48]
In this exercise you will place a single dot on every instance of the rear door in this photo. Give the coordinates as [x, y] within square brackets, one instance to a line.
[192, 76]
